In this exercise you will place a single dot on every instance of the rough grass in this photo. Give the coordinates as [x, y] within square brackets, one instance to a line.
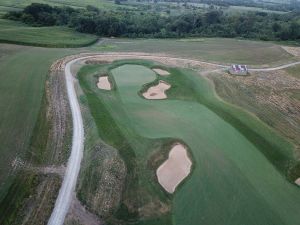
[19, 33]
[236, 165]
[208, 49]
[294, 71]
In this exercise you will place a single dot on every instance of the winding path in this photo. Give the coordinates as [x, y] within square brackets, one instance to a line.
[67, 190]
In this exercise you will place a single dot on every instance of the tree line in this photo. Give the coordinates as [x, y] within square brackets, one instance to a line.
[126, 23]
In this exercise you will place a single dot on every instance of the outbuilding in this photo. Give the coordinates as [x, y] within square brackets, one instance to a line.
[241, 70]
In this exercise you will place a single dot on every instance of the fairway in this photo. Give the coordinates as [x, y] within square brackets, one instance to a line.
[230, 172]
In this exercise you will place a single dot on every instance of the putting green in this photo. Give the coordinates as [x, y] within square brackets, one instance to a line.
[232, 181]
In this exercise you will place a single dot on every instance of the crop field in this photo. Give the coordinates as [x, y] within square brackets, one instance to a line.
[71, 3]
[239, 174]
[19, 33]
[23, 74]
[208, 49]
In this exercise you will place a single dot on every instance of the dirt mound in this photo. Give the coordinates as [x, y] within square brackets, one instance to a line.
[175, 169]
[161, 72]
[158, 91]
[103, 83]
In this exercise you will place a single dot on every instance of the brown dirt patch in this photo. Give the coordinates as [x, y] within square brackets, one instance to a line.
[295, 51]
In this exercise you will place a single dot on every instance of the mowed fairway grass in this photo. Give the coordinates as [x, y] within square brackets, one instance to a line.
[19, 33]
[234, 180]
[207, 49]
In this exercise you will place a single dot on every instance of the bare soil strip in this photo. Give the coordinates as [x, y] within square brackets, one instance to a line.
[161, 72]
[175, 169]
[103, 83]
[295, 51]
[298, 181]
[158, 91]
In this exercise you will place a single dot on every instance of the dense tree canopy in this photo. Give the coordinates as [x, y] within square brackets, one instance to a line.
[214, 23]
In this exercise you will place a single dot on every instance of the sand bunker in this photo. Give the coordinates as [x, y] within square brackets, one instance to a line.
[103, 83]
[175, 169]
[298, 181]
[161, 72]
[158, 91]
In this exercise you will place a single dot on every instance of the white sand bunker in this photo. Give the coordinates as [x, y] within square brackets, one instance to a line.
[298, 181]
[161, 72]
[158, 91]
[175, 169]
[103, 83]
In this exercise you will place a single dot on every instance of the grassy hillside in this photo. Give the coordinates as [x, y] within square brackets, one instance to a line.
[19, 33]
[239, 163]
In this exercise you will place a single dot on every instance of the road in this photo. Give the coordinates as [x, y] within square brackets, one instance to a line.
[67, 190]
[276, 68]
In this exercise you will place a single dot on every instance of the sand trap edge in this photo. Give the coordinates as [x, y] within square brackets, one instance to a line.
[156, 92]
[170, 178]
[103, 83]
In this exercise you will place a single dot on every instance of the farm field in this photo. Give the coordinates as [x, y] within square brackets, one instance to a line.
[207, 49]
[24, 71]
[19, 33]
[71, 3]
[238, 161]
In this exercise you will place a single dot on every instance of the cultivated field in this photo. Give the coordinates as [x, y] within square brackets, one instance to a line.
[19, 33]
[207, 49]
[24, 129]
[239, 163]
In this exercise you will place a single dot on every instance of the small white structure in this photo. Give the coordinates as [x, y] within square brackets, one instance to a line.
[239, 70]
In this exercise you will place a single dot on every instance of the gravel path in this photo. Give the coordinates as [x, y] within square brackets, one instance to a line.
[67, 189]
